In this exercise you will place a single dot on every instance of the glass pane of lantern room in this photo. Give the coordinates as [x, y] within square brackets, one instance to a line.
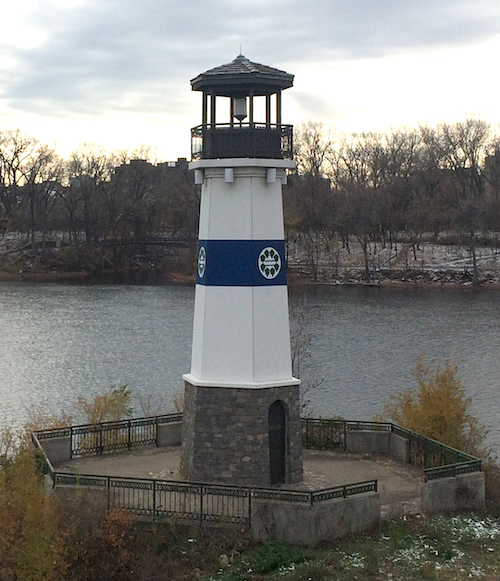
[223, 109]
[259, 109]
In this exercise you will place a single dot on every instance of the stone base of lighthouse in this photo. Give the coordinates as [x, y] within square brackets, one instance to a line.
[244, 436]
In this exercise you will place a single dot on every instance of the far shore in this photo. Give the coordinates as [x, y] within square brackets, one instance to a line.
[447, 281]
[90, 277]
[428, 265]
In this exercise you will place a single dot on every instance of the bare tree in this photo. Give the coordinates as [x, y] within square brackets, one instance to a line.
[42, 174]
[90, 169]
[301, 340]
[309, 201]
[16, 154]
[464, 148]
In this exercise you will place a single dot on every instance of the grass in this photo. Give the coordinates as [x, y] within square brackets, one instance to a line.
[409, 549]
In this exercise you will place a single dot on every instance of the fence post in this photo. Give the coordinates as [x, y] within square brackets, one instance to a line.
[129, 435]
[201, 505]
[311, 499]
[109, 492]
[71, 442]
[307, 434]
[156, 434]
[99, 451]
[344, 492]
[249, 508]
[154, 499]
[344, 424]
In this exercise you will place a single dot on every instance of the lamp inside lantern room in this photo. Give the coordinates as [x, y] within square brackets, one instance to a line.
[239, 108]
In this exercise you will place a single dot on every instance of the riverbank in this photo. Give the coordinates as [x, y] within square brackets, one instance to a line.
[119, 276]
[61, 262]
[427, 265]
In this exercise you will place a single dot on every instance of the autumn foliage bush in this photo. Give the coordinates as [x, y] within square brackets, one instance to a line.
[440, 409]
[69, 535]
[113, 405]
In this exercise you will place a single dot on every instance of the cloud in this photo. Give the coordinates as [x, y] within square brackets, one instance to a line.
[92, 57]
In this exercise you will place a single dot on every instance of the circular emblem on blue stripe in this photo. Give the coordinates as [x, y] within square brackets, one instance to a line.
[202, 261]
[269, 263]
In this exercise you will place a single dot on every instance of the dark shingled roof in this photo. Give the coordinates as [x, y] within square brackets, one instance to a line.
[240, 76]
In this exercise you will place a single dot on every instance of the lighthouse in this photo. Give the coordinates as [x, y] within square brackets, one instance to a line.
[241, 421]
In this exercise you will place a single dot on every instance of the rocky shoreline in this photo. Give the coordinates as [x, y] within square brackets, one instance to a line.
[442, 279]
[431, 265]
[428, 266]
[435, 278]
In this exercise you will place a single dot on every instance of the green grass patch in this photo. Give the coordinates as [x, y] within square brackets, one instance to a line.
[408, 549]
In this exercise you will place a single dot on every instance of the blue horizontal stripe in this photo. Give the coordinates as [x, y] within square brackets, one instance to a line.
[241, 263]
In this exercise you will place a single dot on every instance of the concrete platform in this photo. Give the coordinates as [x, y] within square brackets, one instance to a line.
[399, 484]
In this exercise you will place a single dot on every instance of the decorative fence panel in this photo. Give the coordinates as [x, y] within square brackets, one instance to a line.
[436, 459]
[92, 439]
[321, 434]
[357, 426]
[198, 502]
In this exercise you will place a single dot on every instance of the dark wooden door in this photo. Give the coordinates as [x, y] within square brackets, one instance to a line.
[277, 442]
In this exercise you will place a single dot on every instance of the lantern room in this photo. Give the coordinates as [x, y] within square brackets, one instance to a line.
[241, 112]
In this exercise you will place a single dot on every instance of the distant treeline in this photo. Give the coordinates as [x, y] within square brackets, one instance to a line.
[94, 198]
[362, 188]
[407, 183]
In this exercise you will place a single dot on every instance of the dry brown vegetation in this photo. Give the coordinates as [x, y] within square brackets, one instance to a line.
[438, 408]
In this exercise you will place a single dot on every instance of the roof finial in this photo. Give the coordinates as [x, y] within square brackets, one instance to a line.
[240, 50]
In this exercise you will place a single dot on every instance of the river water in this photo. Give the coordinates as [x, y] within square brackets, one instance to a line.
[59, 342]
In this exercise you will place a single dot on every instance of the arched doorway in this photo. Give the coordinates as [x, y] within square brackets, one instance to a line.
[277, 442]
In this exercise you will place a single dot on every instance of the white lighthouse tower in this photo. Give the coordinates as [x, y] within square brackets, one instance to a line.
[241, 409]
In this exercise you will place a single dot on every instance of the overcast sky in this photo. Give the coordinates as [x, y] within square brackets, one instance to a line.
[117, 72]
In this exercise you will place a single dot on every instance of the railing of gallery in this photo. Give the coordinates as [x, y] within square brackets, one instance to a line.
[231, 140]
[437, 460]
[193, 501]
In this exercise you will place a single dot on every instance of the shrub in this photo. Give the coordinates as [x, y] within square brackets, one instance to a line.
[30, 546]
[113, 405]
[438, 408]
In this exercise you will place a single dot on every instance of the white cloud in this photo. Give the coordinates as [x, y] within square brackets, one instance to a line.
[117, 66]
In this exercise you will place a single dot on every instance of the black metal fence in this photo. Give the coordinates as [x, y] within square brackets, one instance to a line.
[231, 504]
[154, 498]
[106, 437]
[436, 459]
[319, 434]
[194, 501]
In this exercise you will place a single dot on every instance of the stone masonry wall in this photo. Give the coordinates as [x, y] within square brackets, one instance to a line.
[226, 434]
[460, 492]
[301, 524]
